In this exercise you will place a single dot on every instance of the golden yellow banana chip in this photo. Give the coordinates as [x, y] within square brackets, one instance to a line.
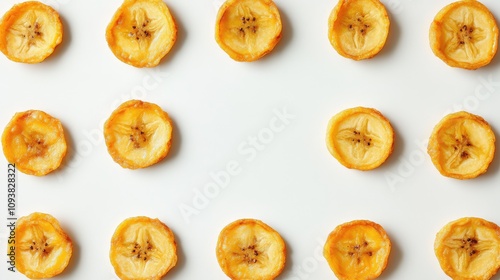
[469, 249]
[29, 32]
[360, 138]
[142, 249]
[358, 29]
[250, 249]
[138, 134]
[462, 145]
[248, 29]
[141, 32]
[34, 141]
[357, 250]
[464, 34]
[43, 249]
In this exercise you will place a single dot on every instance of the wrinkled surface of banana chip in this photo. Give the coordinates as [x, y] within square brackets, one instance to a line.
[250, 249]
[248, 29]
[469, 248]
[142, 248]
[43, 249]
[142, 32]
[360, 138]
[464, 34]
[29, 32]
[358, 29]
[138, 134]
[34, 141]
[358, 249]
[462, 145]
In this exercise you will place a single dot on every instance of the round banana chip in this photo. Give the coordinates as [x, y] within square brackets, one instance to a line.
[250, 249]
[357, 250]
[358, 29]
[469, 248]
[34, 141]
[360, 138]
[138, 134]
[142, 249]
[29, 32]
[462, 145]
[248, 29]
[141, 32]
[42, 248]
[464, 34]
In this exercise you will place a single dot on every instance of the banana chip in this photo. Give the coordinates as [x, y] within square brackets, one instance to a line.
[358, 29]
[43, 249]
[462, 146]
[357, 250]
[360, 138]
[469, 248]
[138, 134]
[250, 249]
[464, 34]
[248, 29]
[141, 32]
[34, 141]
[142, 249]
[29, 32]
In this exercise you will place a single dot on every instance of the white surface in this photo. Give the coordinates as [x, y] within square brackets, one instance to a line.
[293, 183]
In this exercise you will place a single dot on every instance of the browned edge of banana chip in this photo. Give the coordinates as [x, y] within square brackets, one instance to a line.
[143, 248]
[451, 145]
[35, 142]
[245, 34]
[468, 248]
[30, 34]
[250, 249]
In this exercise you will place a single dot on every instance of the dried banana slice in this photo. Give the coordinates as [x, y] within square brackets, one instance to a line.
[464, 34]
[358, 29]
[141, 32]
[248, 29]
[42, 248]
[360, 138]
[29, 32]
[34, 141]
[469, 248]
[250, 249]
[142, 249]
[357, 250]
[462, 145]
[138, 134]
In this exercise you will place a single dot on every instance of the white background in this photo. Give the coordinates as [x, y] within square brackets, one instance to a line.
[292, 183]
